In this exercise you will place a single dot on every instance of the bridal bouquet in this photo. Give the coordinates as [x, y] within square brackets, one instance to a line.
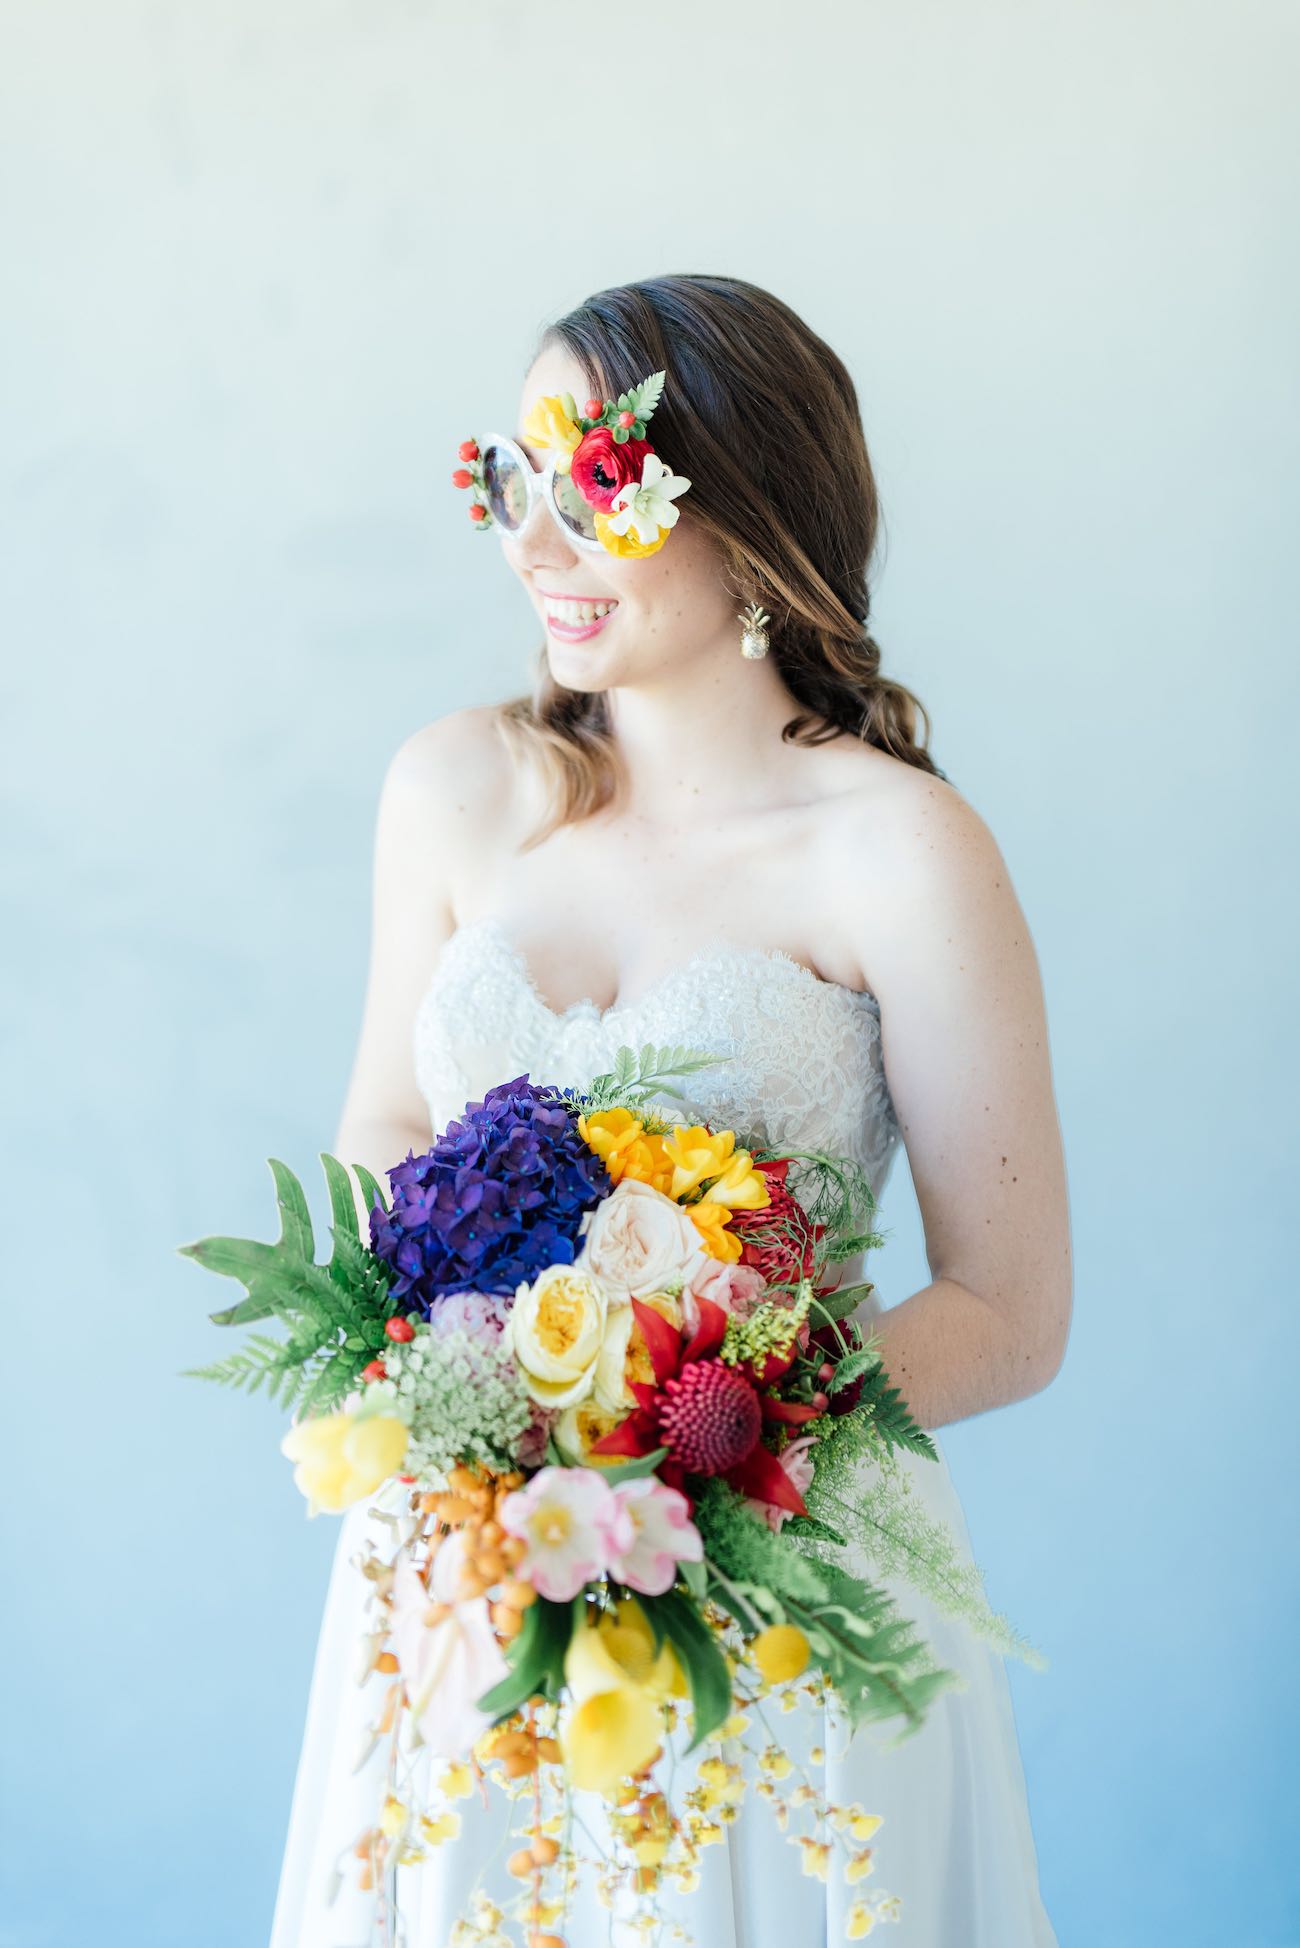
[595, 1375]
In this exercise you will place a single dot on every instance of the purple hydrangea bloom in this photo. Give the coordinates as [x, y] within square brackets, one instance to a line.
[500, 1196]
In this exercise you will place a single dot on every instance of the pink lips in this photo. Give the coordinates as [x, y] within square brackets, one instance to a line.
[578, 632]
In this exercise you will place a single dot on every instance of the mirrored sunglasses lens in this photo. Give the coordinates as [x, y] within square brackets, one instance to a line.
[577, 514]
[507, 490]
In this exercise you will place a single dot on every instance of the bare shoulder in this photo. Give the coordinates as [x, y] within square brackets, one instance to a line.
[933, 878]
[448, 789]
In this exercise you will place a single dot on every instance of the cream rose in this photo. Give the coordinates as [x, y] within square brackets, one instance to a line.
[639, 1241]
[556, 1331]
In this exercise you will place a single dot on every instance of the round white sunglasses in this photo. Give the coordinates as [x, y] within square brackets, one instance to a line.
[513, 486]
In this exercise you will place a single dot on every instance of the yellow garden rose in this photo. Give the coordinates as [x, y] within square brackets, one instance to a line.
[556, 1330]
[549, 424]
[343, 1457]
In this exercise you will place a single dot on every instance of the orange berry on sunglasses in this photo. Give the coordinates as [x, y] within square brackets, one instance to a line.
[478, 512]
[467, 450]
[594, 409]
[462, 478]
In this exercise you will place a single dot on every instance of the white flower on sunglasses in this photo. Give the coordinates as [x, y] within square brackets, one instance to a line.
[646, 509]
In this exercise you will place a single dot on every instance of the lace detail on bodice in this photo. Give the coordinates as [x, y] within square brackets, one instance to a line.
[807, 1069]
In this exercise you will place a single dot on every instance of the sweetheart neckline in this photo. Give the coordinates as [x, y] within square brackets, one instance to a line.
[714, 949]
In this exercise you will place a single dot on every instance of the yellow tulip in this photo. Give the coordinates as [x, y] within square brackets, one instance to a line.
[342, 1458]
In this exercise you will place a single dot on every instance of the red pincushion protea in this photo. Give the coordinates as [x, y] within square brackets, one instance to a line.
[697, 1409]
[710, 1418]
[779, 1239]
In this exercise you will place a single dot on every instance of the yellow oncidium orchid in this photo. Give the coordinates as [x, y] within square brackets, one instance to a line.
[342, 1457]
[618, 1686]
[549, 424]
[627, 1148]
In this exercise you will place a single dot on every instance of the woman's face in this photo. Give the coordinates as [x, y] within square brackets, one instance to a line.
[661, 609]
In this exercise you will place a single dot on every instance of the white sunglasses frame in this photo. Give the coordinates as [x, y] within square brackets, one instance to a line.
[539, 485]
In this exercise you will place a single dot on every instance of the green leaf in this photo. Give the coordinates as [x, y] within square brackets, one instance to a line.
[838, 1305]
[369, 1188]
[342, 1202]
[536, 1660]
[695, 1575]
[632, 1470]
[701, 1659]
[849, 1370]
[295, 1218]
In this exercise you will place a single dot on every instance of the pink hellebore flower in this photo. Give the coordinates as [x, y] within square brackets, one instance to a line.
[445, 1666]
[570, 1524]
[794, 1459]
[660, 1534]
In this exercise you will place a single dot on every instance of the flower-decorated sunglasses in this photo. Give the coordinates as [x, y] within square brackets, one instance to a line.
[603, 484]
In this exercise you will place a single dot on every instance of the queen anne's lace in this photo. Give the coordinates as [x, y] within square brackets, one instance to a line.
[808, 1069]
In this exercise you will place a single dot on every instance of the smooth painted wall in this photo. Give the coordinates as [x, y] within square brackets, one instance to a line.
[263, 268]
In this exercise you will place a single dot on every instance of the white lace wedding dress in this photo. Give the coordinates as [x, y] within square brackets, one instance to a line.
[956, 1845]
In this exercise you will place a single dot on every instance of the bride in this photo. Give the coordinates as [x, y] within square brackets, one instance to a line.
[674, 841]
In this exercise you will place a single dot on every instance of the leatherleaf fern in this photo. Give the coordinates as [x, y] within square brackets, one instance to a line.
[334, 1313]
[871, 1654]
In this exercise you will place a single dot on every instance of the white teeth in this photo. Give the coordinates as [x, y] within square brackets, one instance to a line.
[578, 612]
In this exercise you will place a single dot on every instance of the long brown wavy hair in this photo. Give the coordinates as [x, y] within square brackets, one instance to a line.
[762, 417]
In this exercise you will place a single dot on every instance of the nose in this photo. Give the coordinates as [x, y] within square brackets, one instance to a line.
[540, 544]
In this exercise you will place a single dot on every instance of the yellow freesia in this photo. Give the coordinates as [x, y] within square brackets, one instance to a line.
[618, 1686]
[341, 1457]
[548, 424]
[698, 1154]
[626, 1148]
[711, 1221]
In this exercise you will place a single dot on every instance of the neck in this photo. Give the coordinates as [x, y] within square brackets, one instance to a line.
[709, 726]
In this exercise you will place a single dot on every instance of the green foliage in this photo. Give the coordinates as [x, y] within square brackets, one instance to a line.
[640, 1073]
[677, 1617]
[870, 1653]
[902, 1541]
[334, 1312]
[535, 1657]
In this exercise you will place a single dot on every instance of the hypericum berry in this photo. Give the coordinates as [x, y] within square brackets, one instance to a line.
[467, 450]
[478, 512]
[710, 1418]
[399, 1329]
[825, 1372]
[375, 1370]
[462, 477]
[627, 419]
[595, 409]
[821, 1402]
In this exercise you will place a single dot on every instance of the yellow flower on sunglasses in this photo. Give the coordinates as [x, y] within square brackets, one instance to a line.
[550, 424]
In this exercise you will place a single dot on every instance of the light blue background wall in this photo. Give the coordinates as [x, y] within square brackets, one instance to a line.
[264, 266]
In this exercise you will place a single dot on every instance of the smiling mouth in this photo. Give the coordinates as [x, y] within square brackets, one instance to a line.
[572, 620]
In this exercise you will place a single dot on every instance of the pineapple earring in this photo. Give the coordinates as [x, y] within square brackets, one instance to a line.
[753, 637]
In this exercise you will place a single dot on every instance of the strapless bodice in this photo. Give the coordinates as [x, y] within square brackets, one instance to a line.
[806, 1068]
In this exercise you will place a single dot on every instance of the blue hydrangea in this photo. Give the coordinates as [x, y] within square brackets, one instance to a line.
[500, 1196]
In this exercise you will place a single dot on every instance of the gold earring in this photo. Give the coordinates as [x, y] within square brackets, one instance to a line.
[753, 637]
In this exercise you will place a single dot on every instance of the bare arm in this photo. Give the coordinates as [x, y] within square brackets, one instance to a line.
[967, 1057]
[421, 824]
